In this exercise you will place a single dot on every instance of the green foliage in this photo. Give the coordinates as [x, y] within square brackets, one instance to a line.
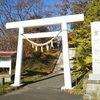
[93, 12]
[83, 49]
[83, 37]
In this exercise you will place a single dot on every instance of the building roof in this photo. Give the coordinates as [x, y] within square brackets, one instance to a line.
[7, 53]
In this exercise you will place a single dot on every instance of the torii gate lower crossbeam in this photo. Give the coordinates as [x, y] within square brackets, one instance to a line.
[62, 20]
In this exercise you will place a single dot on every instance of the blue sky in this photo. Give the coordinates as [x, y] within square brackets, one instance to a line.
[52, 2]
[49, 1]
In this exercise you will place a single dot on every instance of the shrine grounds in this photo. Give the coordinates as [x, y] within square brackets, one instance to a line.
[30, 75]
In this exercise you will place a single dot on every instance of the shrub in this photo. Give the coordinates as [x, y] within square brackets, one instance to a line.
[37, 54]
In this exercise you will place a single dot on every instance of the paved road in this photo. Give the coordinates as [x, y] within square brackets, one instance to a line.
[48, 89]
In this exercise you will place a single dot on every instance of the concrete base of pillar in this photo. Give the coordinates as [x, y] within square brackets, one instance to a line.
[92, 88]
[15, 85]
[65, 88]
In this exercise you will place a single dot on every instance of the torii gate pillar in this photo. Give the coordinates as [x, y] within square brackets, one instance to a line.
[63, 21]
[66, 62]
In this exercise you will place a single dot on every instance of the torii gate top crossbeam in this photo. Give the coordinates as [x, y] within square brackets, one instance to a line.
[46, 21]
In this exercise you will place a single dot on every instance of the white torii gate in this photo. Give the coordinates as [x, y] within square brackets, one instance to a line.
[62, 20]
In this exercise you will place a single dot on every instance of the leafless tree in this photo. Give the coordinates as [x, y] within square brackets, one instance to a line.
[18, 10]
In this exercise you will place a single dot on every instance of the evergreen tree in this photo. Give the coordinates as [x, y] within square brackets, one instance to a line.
[83, 36]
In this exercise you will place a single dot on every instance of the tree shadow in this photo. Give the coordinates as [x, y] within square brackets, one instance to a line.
[32, 73]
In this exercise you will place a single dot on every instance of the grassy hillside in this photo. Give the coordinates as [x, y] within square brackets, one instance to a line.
[36, 67]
